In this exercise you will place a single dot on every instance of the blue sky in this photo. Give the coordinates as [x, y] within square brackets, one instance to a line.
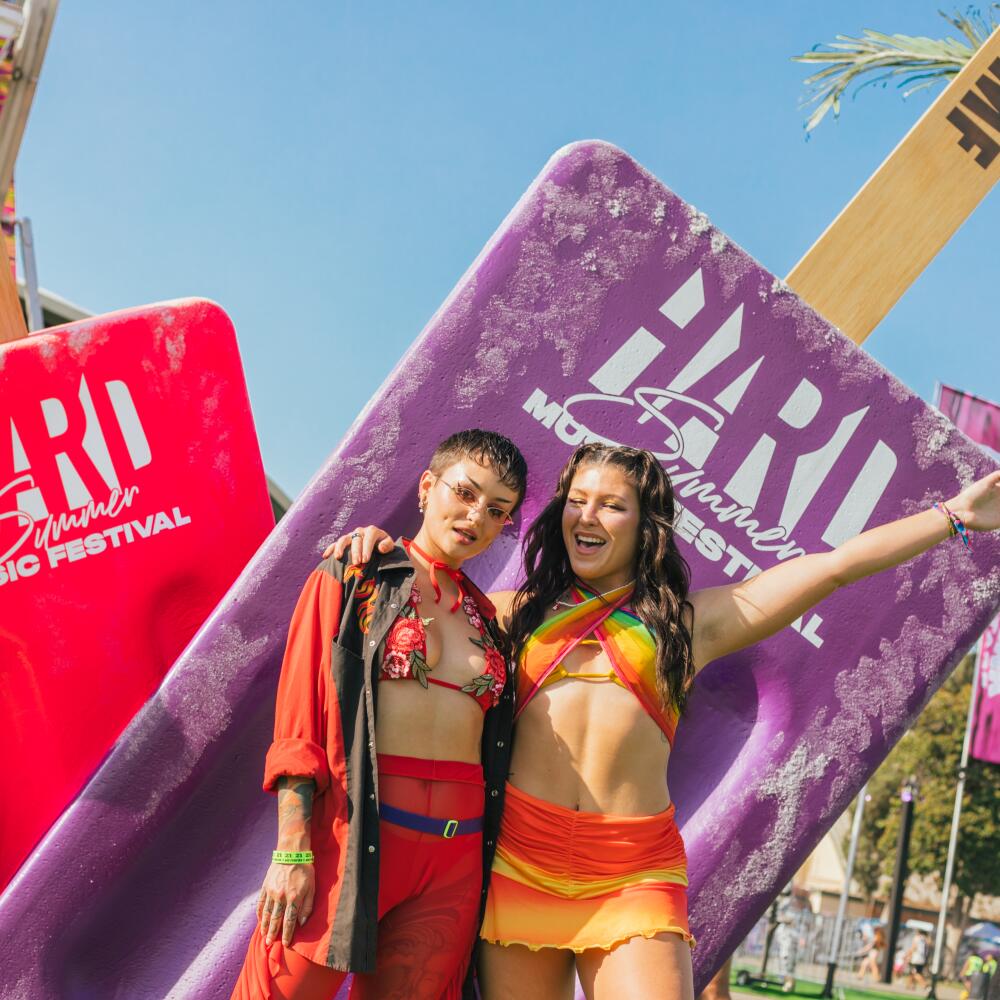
[327, 171]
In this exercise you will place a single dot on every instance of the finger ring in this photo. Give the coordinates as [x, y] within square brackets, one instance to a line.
[355, 534]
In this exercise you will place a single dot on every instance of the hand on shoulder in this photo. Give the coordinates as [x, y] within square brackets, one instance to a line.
[359, 544]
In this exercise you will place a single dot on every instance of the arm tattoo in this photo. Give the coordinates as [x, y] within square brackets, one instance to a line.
[295, 796]
[295, 803]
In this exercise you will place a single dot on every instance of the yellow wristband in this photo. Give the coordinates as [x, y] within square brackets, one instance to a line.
[292, 857]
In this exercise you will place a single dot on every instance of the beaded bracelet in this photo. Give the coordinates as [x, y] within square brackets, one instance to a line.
[292, 857]
[956, 524]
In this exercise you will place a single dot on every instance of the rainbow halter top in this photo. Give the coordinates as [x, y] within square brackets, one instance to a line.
[627, 643]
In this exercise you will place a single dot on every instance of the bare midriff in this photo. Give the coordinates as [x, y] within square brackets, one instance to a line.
[590, 746]
[433, 723]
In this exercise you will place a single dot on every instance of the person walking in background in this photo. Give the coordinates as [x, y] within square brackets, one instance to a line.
[916, 957]
[972, 965]
[981, 981]
[874, 956]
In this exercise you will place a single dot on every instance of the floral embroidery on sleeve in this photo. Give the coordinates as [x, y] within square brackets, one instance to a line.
[365, 596]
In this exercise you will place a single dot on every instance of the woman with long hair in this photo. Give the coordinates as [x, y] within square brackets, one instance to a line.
[874, 954]
[589, 874]
[391, 743]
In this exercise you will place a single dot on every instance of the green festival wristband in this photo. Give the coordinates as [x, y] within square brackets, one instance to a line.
[292, 857]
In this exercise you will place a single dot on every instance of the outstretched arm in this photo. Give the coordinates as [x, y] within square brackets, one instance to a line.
[733, 617]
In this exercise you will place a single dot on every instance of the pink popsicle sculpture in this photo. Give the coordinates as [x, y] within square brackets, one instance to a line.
[131, 495]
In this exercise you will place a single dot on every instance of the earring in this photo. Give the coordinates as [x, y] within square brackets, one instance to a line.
[420, 505]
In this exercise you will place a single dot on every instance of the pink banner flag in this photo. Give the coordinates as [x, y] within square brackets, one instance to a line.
[980, 420]
[986, 725]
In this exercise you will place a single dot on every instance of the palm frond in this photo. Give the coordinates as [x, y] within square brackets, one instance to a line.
[915, 62]
[972, 24]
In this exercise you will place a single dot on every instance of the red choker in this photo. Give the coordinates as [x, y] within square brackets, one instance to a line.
[434, 565]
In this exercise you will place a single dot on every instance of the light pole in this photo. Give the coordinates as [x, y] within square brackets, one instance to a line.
[949, 869]
[907, 794]
[845, 895]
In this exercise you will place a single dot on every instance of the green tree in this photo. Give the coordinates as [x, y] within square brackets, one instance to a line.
[931, 752]
[913, 62]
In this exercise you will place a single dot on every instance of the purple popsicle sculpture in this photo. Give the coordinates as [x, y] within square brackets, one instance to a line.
[604, 306]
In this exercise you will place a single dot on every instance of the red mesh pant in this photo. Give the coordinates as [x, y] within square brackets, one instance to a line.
[428, 901]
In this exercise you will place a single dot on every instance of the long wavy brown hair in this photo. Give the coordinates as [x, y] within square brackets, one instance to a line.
[662, 576]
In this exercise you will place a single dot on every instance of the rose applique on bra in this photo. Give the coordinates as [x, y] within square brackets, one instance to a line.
[405, 653]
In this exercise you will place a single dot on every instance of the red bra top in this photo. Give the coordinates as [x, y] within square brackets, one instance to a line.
[405, 652]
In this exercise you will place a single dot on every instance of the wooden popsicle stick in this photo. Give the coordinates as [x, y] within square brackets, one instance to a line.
[909, 208]
[12, 325]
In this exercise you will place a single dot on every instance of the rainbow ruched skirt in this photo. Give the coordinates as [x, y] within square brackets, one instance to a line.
[577, 880]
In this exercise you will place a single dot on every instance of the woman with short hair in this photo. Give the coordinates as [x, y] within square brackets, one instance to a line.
[393, 701]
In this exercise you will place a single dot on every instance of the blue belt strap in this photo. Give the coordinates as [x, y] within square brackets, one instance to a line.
[446, 828]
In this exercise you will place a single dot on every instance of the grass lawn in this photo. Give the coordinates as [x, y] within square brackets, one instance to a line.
[810, 988]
